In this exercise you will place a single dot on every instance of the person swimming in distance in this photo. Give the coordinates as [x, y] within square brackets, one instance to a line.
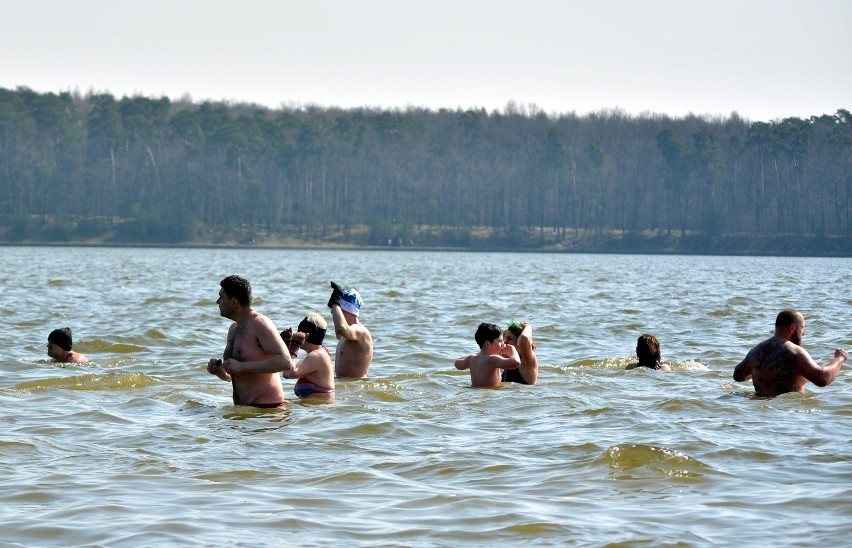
[59, 344]
[493, 356]
[648, 352]
[354, 352]
[314, 372]
[520, 336]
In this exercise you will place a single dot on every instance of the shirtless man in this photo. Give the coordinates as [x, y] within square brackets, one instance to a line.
[493, 356]
[315, 372]
[59, 347]
[354, 352]
[779, 365]
[254, 353]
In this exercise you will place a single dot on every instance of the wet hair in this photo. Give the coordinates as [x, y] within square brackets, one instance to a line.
[786, 317]
[61, 338]
[648, 349]
[487, 332]
[238, 288]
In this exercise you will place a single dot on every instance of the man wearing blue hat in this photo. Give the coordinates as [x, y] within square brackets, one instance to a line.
[354, 352]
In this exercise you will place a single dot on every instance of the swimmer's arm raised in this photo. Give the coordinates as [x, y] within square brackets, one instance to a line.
[342, 329]
[820, 376]
[527, 354]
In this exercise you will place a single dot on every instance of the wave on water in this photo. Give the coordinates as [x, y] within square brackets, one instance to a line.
[635, 461]
[106, 381]
[102, 346]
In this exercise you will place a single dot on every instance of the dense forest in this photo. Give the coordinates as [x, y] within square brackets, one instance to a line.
[95, 168]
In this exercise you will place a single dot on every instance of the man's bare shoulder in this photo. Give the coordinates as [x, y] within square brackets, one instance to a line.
[259, 322]
[361, 329]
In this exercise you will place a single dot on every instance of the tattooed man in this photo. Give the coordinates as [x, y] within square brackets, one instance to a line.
[779, 365]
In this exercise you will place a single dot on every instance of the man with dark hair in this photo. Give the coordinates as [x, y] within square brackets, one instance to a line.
[494, 355]
[254, 354]
[59, 347]
[779, 365]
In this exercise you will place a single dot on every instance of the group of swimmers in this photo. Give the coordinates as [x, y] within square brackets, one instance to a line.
[775, 366]
[257, 355]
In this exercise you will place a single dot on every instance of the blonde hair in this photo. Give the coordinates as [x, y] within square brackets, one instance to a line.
[317, 320]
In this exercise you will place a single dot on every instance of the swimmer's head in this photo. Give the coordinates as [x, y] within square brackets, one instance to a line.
[61, 338]
[487, 332]
[314, 327]
[238, 288]
[648, 349]
[515, 328]
[351, 302]
[513, 333]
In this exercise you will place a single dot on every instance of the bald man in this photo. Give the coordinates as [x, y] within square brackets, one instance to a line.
[779, 365]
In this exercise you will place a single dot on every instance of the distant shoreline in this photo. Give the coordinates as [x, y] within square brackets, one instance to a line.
[802, 250]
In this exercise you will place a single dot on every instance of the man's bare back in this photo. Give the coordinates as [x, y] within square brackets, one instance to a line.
[779, 364]
[772, 364]
[485, 369]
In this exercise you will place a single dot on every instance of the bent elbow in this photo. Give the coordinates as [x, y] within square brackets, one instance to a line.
[823, 381]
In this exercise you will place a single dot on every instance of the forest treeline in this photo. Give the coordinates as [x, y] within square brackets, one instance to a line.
[138, 169]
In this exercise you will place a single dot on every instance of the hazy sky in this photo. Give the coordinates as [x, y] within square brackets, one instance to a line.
[763, 59]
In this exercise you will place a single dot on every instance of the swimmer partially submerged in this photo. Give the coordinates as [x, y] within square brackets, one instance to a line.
[648, 352]
[494, 355]
[59, 344]
[315, 372]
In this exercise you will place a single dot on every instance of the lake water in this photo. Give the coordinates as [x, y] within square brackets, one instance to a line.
[142, 447]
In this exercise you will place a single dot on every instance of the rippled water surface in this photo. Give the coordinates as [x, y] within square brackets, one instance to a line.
[142, 447]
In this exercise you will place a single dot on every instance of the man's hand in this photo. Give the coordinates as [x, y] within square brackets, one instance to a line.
[231, 366]
[840, 353]
[336, 294]
[214, 367]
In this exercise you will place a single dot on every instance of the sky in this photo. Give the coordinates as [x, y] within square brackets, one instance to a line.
[765, 60]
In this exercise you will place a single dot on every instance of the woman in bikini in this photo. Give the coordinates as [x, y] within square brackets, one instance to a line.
[520, 336]
[314, 372]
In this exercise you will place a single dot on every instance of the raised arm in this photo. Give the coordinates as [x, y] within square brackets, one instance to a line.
[463, 363]
[820, 376]
[342, 329]
[527, 354]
